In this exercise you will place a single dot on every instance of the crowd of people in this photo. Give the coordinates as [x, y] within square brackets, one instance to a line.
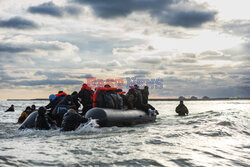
[62, 110]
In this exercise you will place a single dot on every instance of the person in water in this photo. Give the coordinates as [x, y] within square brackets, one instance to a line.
[24, 115]
[72, 120]
[181, 109]
[61, 108]
[11, 109]
[138, 99]
[42, 120]
[33, 108]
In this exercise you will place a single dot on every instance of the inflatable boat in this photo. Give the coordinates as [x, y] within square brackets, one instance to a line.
[107, 117]
[29, 122]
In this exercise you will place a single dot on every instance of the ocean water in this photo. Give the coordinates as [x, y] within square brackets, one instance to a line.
[216, 133]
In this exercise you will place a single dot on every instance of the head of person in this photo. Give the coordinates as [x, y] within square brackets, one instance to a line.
[131, 91]
[12, 106]
[136, 86]
[33, 107]
[118, 90]
[74, 93]
[71, 110]
[52, 97]
[28, 109]
[42, 110]
[181, 101]
[60, 91]
[107, 86]
[146, 87]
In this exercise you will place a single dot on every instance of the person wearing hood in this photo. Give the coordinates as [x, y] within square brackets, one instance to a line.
[72, 120]
[86, 98]
[74, 97]
[181, 109]
[24, 115]
[140, 102]
[41, 121]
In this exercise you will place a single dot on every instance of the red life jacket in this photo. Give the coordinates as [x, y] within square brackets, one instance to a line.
[105, 89]
[85, 86]
[121, 93]
[61, 94]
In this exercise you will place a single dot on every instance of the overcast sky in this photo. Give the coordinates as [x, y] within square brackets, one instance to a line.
[197, 47]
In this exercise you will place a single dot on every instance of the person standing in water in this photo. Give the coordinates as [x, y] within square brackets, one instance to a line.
[11, 109]
[181, 109]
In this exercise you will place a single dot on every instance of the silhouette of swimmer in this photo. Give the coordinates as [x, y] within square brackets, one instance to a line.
[181, 109]
[11, 109]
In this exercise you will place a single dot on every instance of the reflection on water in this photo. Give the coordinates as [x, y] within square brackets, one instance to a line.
[216, 133]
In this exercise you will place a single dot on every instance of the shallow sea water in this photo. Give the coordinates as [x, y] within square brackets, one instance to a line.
[216, 133]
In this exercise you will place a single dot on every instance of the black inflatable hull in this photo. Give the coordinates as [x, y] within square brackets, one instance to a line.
[29, 122]
[114, 117]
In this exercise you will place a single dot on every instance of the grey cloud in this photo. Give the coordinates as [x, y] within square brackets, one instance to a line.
[213, 55]
[217, 73]
[56, 75]
[119, 8]
[150, 60]
[51, 9]
[168, 73]
[183, 60]
[209, 52]
[46, 82]
[189, 55]
[137, 72]
[51, 74]
[83, 76]
[219, 57]
[18, 23]
[246, 80]
[238, 27]
[187, 19]
[38, 45]
[159, 9]
[114, 63]
[13, 48]
[73, 10]
[4, 77]
[173, 79]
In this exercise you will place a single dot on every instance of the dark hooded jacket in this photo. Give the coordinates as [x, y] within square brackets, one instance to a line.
[41, 122]
[62, 108]
[54, 102]
[131, 98]
[71, 121]
[181, 109]
[86, 98]
[11, 109]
